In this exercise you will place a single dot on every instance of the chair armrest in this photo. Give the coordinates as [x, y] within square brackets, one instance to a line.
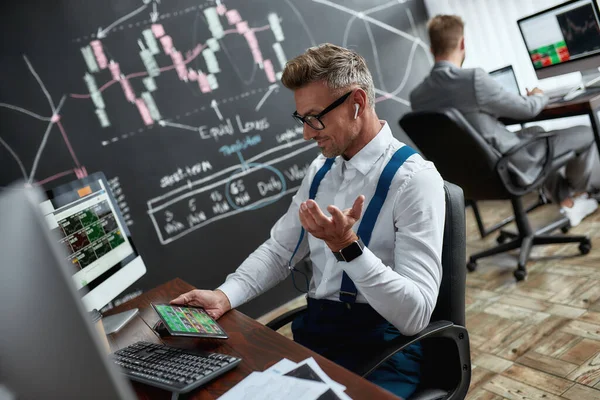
[439, 329]
[524, 143]
[383, 353]
[286, 318]
[550, 164]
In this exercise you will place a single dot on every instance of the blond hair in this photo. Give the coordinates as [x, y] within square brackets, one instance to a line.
[339, 67]
[445, 32]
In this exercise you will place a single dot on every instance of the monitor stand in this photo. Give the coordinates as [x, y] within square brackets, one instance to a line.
[114, 323]
[591, 78]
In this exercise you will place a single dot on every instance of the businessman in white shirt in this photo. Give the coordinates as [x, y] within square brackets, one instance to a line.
[358, 293]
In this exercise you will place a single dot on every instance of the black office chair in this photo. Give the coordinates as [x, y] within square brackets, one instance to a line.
[463, 156]
[446, 370]
[486, 231]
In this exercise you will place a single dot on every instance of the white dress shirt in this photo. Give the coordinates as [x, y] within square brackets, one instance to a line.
[400, 271]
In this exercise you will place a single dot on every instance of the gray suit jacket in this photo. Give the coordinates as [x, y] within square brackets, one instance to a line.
[482, 101]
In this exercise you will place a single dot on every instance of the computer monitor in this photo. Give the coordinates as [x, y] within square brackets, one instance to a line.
[49, 348]
[506, 77]
[90, 226]
[563, 39]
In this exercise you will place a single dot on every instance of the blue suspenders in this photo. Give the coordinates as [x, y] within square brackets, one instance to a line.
[348, 290]
[314, 186]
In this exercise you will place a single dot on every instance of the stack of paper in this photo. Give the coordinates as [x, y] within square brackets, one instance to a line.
[288, 380]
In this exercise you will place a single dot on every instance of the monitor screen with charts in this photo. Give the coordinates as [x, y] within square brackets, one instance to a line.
[86, 217]
[563, 39]
[506, 77]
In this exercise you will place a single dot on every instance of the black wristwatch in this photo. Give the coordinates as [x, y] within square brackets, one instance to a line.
[350, 252]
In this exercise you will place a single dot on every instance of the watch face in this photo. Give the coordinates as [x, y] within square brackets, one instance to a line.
[352, 251]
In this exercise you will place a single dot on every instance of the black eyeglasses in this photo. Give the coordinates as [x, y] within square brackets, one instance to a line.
[314, 121]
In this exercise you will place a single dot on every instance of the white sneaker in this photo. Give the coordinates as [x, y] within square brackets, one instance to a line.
[582, 207]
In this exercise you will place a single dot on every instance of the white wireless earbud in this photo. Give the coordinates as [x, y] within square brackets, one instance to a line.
[357, 107]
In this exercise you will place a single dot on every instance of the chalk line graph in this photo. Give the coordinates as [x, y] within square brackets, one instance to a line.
[214, 44]
[365, 16]
[53, 120]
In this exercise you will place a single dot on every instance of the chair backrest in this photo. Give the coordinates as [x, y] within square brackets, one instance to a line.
[458, 151]
[450, 304]
[442, 367]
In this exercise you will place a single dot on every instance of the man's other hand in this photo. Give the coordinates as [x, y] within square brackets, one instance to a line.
[215, 302]
[336, 230]
[534, 91]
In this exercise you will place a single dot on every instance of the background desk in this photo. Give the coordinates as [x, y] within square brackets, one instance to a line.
[587, 104]
[257, 345]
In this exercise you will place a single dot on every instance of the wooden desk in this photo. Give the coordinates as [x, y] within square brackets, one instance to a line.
[257, 345]
[586, 104]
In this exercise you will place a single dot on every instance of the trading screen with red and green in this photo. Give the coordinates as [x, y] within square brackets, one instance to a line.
[562, 34]
[182, 319]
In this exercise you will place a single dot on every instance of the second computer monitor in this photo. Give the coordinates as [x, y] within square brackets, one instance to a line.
[563, 39]
[87, 218]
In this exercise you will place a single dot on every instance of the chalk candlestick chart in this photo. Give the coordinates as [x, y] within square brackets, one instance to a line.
[154, 40]
[238, 173]
[174, 215]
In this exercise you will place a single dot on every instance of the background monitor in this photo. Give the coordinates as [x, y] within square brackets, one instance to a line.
[48, 346]
[91, 228]
[506, 77]
[563, 39]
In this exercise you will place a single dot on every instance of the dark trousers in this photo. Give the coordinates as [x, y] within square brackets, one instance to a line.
[343, 335]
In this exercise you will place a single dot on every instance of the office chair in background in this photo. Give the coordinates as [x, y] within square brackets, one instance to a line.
[443, 135]
[504, 235]
[447, 366]
[506, 77]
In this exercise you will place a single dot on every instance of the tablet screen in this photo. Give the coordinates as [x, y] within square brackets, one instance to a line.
[188, 321]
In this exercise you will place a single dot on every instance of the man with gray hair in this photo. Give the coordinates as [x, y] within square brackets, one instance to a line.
[371, 285]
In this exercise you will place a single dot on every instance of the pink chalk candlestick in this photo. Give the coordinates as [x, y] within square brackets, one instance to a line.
[158, 30]
[269, 70]
[167, 44]
[144, 112]
[99, 53]
[203, 83]
[233, 17]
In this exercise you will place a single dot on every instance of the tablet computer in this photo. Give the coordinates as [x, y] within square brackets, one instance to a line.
[188, 321]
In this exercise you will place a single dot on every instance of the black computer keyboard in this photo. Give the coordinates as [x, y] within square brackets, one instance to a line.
[170, 368]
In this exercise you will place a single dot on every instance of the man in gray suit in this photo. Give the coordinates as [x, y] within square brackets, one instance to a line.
[482, 101]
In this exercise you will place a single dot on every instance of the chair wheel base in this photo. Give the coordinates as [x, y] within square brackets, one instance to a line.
[565, 229]
[520, 274]
[585, 247]
[501, 238]
[471, 266]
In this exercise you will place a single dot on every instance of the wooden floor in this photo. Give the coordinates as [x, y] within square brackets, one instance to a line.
[536, 339]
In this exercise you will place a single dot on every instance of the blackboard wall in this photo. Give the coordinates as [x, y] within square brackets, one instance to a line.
[180, 105]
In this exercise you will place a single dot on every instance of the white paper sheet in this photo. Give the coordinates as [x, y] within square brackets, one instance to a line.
[285, 368]
[283, 365]
[269, 386]
[315, 373]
